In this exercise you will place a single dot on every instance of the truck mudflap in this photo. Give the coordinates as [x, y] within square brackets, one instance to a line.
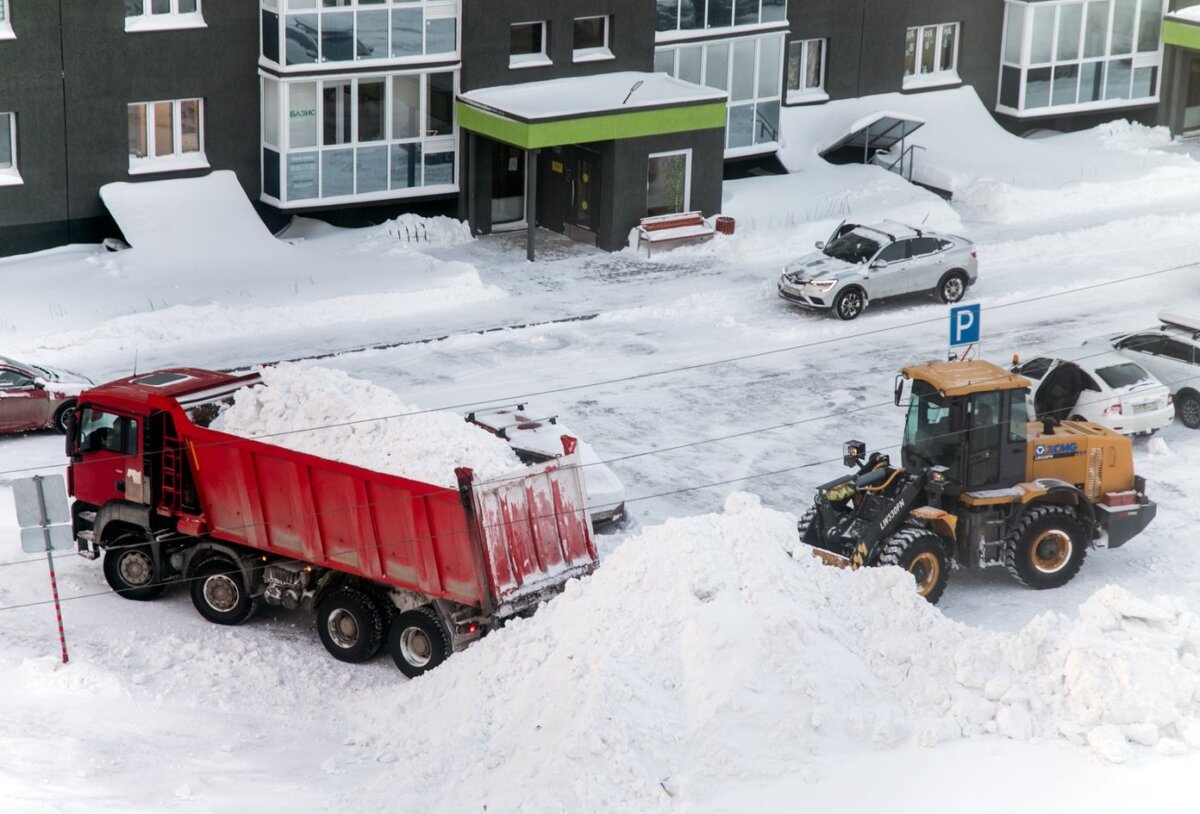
[1123, 523]
[535, 532]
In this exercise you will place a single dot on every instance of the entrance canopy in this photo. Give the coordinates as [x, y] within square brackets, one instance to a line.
[1182, 28]
[601, 107]
[878, 131]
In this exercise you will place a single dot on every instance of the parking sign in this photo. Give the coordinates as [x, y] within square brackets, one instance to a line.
[964, 325]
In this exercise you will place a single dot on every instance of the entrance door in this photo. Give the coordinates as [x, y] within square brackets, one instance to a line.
[1191, 110]
[508, 185]
[581, 168]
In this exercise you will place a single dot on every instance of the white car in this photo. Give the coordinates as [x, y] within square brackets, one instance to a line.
[1171, 351]
[540, 439]
[1100, 386]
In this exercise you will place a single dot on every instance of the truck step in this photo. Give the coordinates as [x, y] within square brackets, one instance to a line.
[88, 516]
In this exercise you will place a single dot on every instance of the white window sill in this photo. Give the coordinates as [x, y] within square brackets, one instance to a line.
[529, 61]
[1087, 107]
[931, 80]
[164, 22]
[10, 178]
[753, 149]
[806, 97]
[679, 35]
[6, 32]
[173, 163]
[591, 55]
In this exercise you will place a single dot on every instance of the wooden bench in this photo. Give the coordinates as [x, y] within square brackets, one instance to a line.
[670, 231]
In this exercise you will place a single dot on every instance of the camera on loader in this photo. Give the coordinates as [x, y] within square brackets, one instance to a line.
[980, 485]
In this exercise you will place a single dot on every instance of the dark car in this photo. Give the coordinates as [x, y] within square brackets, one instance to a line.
[36, 397]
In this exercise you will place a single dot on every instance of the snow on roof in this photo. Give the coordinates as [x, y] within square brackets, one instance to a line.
[1184, 317]
[871, 118]
[588, 95]
[1187, 15]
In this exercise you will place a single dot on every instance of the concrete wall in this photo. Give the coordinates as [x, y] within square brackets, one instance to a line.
[71, 103]
[485, 38]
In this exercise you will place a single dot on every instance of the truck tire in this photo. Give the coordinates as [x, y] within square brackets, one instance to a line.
[350, 625]
[129, 569]
[921, 553]
[219, 592]
[1046, 547]
[418, 641]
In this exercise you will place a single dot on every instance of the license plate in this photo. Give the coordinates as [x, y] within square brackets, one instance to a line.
[1145, 408]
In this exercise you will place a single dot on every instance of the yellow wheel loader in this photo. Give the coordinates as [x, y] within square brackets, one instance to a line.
[980, 485]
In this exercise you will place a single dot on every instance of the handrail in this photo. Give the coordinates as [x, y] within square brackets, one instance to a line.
[900, 160]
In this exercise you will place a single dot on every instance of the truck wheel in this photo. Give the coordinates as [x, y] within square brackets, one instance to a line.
[1187, 407]
[921, 553]
[219, 593]
[1046, 548]
[129, 569]
[418, 641]
[849, 304]
[350, 625]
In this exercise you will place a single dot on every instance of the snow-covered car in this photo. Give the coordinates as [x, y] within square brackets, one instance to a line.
[1104, 387]
[37, 397]
[540, 439]
[860, 263]
[1171, 352]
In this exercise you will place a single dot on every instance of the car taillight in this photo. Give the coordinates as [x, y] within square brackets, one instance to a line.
[974, 254]
[1170, 399]
[1113, 409]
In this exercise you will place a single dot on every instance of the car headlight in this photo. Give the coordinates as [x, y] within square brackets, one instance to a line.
[822, 285]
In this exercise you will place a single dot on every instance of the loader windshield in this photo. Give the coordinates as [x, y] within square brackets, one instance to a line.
[928, 438]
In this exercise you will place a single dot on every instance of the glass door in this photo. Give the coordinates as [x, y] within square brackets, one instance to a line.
[508, 185]
[1191, 110]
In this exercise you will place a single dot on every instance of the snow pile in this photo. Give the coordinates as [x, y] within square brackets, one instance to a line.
[700, 654]
[433, 232]
[325, 412]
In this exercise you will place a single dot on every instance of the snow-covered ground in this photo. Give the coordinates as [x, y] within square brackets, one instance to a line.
[700, 669]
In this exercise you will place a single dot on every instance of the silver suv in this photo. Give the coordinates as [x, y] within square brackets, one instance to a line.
[861, 263]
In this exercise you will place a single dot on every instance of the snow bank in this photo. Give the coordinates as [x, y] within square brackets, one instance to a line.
[327, 413]
[700, 653]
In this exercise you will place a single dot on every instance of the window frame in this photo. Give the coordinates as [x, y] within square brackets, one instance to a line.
[1138, 60]
[149, 20]
[535, 59]
[734, 28]
[815, 93]
[592, 53]
[939, 77]
[6, 29]
[178, 159]
[11, 176]
[687, 177]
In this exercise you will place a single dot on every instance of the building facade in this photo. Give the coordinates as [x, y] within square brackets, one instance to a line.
[581, 116]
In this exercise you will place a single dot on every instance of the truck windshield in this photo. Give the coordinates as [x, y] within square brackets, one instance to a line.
[928, 439]
[853, 248]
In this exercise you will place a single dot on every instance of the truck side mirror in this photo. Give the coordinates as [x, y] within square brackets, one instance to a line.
[899, 392]
[72, 424]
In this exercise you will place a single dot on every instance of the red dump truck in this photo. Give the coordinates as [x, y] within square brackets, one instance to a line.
[379, 558]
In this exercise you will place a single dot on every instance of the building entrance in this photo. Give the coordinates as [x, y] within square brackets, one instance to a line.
[1191, 109]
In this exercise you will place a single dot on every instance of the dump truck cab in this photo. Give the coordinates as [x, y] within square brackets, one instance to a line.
[980, 485]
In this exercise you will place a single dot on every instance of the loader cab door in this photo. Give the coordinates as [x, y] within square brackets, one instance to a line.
[930, 436]
[996, 427]
[107, 458]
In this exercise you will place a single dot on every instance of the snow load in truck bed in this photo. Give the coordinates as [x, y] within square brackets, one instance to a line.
[327, 413]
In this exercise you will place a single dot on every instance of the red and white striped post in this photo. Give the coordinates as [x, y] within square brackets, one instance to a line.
[62, 635]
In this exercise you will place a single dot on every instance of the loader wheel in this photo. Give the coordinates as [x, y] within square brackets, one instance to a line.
[952, 286]
[219, 592]
[418, 641]
[350, 625]
[808, 534]
[921, 553]
[1187, 407]
[849, 304]
[1046, 548]
[129, 569]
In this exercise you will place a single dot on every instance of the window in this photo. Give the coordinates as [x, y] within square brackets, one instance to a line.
[341, 31]
[1143, 343]
[698, 15]
[591, 39]
[8, 150]
[157, 15]
[373, 137]
[1174, 349]
[1078, 55]
[527, 45]
[931, 55]
[894, 252]
[750, 69]
[1035, 368]
[6, 31]
[166, 135]
[669, 183]
[806, 69]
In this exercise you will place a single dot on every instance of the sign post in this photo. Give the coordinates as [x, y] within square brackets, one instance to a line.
[45, 526]
[964, 332]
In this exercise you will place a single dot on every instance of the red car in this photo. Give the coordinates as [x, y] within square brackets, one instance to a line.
[35, 397]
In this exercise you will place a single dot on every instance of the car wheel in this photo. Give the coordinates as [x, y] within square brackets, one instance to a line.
[1187, 407]
[849, 303]
[952, 287]
[63, 416]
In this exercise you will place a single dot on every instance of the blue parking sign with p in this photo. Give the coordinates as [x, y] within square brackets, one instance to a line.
[964, 325]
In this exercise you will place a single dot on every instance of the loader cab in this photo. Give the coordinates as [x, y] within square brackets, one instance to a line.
[969, 417]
